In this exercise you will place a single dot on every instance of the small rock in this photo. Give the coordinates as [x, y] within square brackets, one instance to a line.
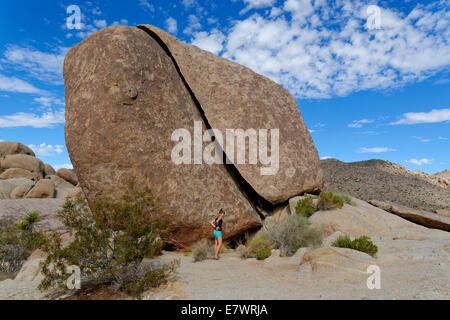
[68, 175]
[48, 170]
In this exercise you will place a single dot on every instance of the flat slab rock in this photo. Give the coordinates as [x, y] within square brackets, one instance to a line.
[424, 218]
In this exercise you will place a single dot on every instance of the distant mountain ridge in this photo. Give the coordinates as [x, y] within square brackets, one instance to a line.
[386, 181]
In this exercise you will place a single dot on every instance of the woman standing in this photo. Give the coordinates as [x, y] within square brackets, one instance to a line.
[217, 225]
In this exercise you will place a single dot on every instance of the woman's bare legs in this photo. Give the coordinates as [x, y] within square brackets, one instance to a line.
[219, 245]
[216, 244]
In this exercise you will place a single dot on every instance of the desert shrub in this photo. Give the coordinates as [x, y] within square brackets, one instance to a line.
[203, 250]
[293, 233]
[110, 241]
[18, 241]
[243, 251]
[305, 207]
[347, 200]
[263, 253]
[259, 242]
[328, 200]
[362, 243]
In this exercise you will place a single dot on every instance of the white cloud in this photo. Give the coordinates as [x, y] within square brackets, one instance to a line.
[146, 5]
[46, 150]
[122, 22]
[212, 42]
[100, 23]
[375, 150]
[434, 116]
[421, 139]
[420, 162]
[96, 11]
[16, 85]
[189, 3]
[442, 138]
[172, 25]
[359, 123]
[65, 165]
[40, 65]
[326, 157]
[194, 24]
[256, 4]
[49, 101]
[48, 119]
[321, 49]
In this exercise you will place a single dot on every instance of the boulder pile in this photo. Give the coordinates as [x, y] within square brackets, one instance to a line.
[22, 175]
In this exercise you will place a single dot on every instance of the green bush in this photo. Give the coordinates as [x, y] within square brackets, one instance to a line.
[305, 207]
[111, 239]
[328, 200]
[362, 244]
[293, 233]
[203, 250]
[259, 242]
[18, 241]
[263, 253]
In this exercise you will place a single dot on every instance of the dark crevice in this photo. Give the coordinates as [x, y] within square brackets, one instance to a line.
[260, 204]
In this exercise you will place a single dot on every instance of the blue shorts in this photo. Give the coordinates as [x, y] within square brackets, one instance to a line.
[217, 233]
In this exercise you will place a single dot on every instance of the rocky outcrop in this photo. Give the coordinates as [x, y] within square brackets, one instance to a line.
[21, 175]
[424, 218]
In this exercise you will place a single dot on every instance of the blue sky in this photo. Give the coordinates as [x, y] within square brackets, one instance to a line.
[370, 82]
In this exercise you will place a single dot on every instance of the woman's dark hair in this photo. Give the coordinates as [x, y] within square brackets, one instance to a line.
[221, 211]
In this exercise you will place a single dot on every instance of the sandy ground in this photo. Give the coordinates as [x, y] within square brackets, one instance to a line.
[279, 278]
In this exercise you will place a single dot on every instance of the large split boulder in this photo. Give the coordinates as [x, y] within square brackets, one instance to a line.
[125, 115]
[129, 89]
